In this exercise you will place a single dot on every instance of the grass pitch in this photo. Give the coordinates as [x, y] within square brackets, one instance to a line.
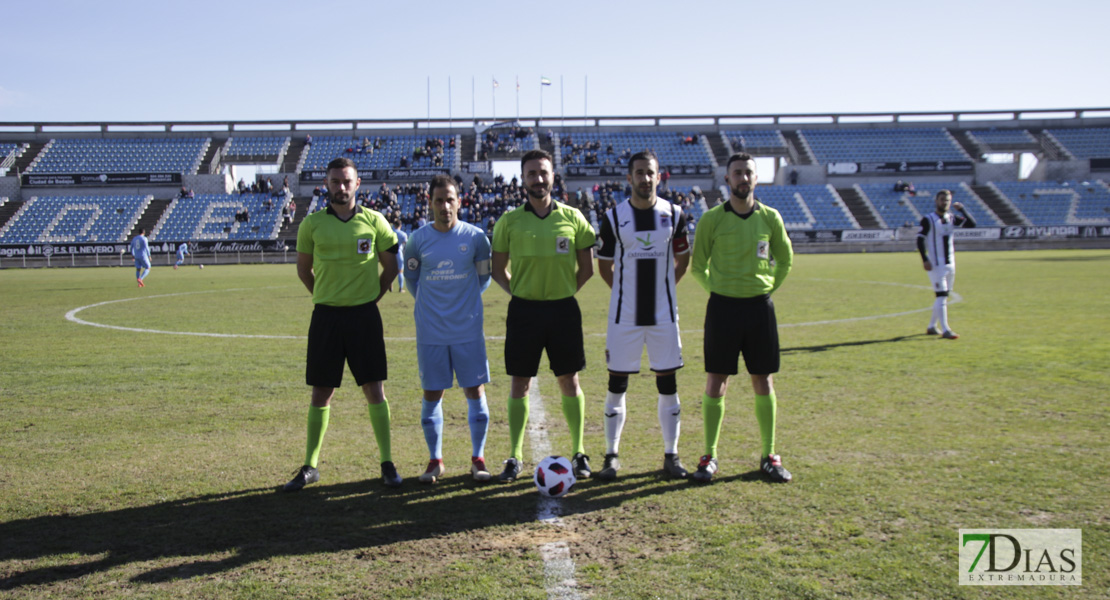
[141, 462]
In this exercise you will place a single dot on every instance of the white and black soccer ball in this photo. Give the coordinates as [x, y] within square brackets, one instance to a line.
[555, 476]
[201, 266]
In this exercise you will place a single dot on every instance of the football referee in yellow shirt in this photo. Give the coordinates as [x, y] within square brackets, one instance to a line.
[741, 255]
[550, 248]
[338, 253]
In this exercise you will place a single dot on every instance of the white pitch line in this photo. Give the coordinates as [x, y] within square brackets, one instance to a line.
[558, 566]
[72, 316]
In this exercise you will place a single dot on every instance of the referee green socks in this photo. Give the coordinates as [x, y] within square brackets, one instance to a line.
[765, 409]
[379, 420]
[317, 424]
[573, 409]
[518, 420]
[713, 413]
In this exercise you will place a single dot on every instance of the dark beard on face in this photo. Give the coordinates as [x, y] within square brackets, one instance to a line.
[538, 194]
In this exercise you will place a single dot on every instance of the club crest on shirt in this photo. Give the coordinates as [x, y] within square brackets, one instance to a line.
[463, 248]
[664, 220]
[562, 245]
[763, 249]
[364, 246]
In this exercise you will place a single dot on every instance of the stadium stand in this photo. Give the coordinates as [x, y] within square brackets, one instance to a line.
[242, 148]
[761, 141]
[1059, 203]
[673, 149]
[1002, 138]
[57, 219]
[1083, 143]
[808, 206]
[882, 145]
[383, 152]
[901, 209]
[123, 155]
[213, 217]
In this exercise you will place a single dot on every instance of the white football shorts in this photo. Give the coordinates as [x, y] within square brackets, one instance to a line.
[624, 346]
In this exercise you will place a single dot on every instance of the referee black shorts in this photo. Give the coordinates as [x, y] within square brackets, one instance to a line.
[741, 325]
[533, 326]
[345, 333]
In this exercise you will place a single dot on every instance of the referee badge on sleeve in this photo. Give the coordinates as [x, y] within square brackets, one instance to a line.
[365, 245]
[763, 249]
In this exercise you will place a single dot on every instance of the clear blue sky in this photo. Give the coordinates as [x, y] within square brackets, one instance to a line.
[229, 60]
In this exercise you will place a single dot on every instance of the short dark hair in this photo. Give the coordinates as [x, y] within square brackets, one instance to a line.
[943, 193]
[535, 155]
[442, 181]
[643, 155]
[342, 163]
[738, 156]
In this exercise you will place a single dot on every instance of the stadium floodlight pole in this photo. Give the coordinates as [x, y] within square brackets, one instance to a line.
[518, 97]
[493, 94]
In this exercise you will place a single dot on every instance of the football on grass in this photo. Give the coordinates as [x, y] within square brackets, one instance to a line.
[554, 476]
[201, 266]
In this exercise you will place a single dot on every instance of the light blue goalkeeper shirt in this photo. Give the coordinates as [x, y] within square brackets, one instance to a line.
[446, 274]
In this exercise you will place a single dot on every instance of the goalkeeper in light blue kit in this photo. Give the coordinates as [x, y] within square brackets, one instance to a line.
[182, 251]
[447, 267]
[140, 249]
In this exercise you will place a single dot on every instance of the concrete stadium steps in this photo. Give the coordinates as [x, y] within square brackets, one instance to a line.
[720, 150]
[860, 208]
[150, 217]
[289, 230]
[1001, 208]
[800, 153]
[33, 150]
[10, 208]
[963, 138]
[1052, 149]
[468, 145]
[292, 157]
[206, 162]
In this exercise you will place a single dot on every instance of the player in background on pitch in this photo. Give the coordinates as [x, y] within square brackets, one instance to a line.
[934, 242]
[550, 248]
[182, 251]
[339, 250]
[140, 249]
[643, 253]
[741, 256]
[447, 266]
[402, 240]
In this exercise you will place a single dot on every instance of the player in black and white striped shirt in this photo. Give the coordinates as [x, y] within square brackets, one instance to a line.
[644, 251]
[934, 242]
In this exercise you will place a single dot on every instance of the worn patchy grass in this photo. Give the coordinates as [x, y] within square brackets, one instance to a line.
[139, 464]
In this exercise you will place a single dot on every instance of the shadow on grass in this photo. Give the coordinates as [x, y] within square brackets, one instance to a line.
[260, 524]
[826, 347]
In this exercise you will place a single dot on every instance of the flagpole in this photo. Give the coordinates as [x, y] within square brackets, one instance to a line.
[428, 123]
[493, 94]
[449, 115]
[518, 97]
[473, 114]
[562, 114]
[541, 103]
[586, 100]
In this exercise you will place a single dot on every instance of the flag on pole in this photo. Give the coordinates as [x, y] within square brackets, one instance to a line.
[544, 81]
[495, 84]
